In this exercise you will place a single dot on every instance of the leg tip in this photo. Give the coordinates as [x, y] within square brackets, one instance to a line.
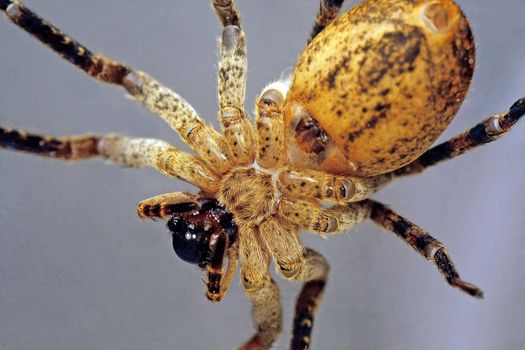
[517, 110]
[467, 287]
[214, 296]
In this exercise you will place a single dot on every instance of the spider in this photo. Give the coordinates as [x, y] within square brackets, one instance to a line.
[275, 195]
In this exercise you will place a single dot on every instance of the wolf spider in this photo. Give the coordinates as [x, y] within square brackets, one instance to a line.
[255, 197]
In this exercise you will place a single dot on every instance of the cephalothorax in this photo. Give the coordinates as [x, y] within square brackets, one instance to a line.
[372, 91]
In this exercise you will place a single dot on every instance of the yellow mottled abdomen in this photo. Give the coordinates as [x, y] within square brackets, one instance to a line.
[378, 86]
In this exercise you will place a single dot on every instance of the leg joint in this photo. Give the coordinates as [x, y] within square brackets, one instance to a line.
[290, 271]
[253, 284]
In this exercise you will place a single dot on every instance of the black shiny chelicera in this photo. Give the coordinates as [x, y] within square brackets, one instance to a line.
[202, 233]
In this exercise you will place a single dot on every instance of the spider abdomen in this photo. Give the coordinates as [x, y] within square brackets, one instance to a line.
[382, 82]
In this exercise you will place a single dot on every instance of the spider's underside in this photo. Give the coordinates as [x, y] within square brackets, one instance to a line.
[247, 170]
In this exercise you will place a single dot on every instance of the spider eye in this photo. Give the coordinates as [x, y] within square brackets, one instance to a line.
[190, 241]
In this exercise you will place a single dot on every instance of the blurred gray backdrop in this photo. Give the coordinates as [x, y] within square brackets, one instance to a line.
[79, 270]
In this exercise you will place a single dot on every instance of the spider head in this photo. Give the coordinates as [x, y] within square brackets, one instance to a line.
[201, 234]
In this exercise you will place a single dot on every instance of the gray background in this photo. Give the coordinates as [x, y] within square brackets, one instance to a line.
[79, 270]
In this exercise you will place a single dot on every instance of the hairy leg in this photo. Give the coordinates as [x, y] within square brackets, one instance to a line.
[165, 205]
[189, 168]
[328, 10]
[73, 147]
[339, 218]
[423, 243]
[227, 12]
[261, 290]
[165, 103]
[314, 273]
[294, 262]
[201, 137]
[125, 151]
[282, 239]
[99, 67]
[266, 314]
[312, 216]
[487, 131]
[305, 183]
[218, 246]
[121, 150]
[233, 67]
[269, 121]
[225, 280]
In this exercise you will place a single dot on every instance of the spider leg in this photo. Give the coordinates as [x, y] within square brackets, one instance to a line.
[227, 12]
[283, 243]
[314, 273]
[213, 281]
[233, 66]
[189, 168]
[423, 243]
[125, 151]
[328, 10]
[327, 187]
[312, 216]
[165, 103]
[216, 292]
[73, 147]
[269, 120]
[294, 262]
[202, 138]
[487, 131]
[165, 205]
[99, 67]
[261, 290]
